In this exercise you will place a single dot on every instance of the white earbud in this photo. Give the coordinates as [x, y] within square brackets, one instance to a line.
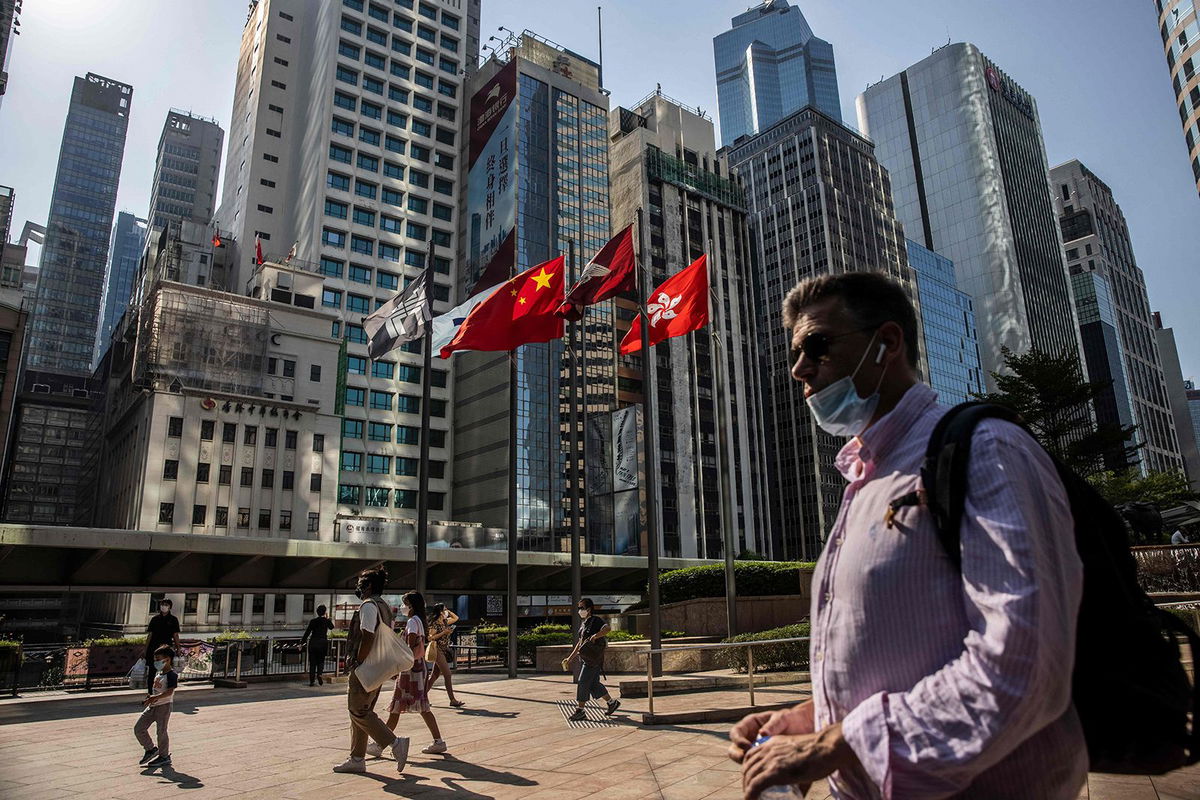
[882, 350]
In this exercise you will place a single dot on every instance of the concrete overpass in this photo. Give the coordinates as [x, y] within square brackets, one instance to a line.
[55, 559]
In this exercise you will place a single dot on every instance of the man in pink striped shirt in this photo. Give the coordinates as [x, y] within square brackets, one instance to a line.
[928, 681]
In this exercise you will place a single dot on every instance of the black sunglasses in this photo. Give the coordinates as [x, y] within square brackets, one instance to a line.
[816, 344]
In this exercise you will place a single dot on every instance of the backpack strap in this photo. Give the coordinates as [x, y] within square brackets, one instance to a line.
[945, 469]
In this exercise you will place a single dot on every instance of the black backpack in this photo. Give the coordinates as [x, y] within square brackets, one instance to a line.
[1129, 687]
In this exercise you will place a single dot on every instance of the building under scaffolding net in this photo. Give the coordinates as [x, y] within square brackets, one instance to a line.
[202, 340]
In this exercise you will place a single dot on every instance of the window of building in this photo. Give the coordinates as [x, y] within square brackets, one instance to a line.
[378, 497]
[356, 334]
[349, 495]
[202, 472]
[339, 153]
[285, 524]
[314, 482]
[271, 437]
[264, 519]
[207, 426]
[199, 514]
[237, 601]
[224, 475]
[259, 601]
[331, 267]
[250, 435]
[332, 238]
[166, 513]
[318, 442]
[314, 522]
[247, 476]
[335, 180]
[222, 520]
[243, 518]
[357, 304]
[170, 469]
[335, 209]
[331, 298]
[355, 397]
[381, 400]
[175, 426]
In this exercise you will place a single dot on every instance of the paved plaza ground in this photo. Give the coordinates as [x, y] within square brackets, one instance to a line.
[511, 741]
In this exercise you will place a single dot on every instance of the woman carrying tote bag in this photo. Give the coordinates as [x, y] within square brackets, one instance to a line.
[441, 626]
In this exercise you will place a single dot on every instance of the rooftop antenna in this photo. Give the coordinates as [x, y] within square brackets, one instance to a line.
[600, 38]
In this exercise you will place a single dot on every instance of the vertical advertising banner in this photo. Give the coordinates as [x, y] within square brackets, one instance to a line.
[491, 181]
[625, 448]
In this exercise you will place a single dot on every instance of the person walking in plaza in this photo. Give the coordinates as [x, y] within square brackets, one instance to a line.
[441, 627]
[316, 638]
[928, 681]
[364, 722]
[163, 629]
[589, 649]
[411, 694]
[156, 710]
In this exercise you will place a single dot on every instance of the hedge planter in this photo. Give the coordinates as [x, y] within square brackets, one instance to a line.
[10, 666]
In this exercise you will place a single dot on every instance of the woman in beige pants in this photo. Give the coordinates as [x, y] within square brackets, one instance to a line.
[441, 625]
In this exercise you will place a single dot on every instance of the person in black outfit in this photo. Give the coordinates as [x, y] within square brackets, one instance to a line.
[162, 630]
[589, 648]
[316, 636]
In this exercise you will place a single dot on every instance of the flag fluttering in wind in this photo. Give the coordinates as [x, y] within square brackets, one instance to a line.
[400, 319]
[445, 326]
[677, 307]
[519, 311]
[258, 259]
[292, 253]
[610, 272]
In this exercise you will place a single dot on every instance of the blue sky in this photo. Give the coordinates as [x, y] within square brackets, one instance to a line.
[1096, 68]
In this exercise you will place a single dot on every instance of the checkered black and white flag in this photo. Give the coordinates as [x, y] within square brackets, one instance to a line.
[400, 319]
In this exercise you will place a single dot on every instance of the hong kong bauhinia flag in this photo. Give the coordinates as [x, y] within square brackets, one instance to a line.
[677, 307]
[520, 311]
[609, 273]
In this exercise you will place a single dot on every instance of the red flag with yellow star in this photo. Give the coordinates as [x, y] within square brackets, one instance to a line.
[520, 311]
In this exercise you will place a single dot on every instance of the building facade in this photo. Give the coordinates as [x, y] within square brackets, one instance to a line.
[1180, 30]
[963, 144]
[949, 326]
[343, 162]
[818, 202]
[185, 171]
[1189, 444]
[770, 65]
[124, 253]
[9, 25]
[7, 200]
[66, 312]
[1193, 402]
[664, 161]
[550, 110]
[1116, 326]
[12, 336]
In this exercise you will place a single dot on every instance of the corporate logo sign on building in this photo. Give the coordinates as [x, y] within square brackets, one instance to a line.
[491, 179]
[998, 83]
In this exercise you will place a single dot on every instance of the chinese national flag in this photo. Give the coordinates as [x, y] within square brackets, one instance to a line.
[520, 311]
[677, 307]
[609, 273]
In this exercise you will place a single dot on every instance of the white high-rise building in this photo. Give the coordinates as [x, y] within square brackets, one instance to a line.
[343, 161]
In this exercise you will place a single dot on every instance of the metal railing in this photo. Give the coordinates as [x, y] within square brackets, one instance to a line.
[248, 658]
[649, 653]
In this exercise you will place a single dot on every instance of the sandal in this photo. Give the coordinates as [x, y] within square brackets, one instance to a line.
[457, 703]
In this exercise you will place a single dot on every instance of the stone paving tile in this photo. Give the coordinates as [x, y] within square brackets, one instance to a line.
[510, 743]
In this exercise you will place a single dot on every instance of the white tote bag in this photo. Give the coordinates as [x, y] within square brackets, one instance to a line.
[390, 655]
[137, 675]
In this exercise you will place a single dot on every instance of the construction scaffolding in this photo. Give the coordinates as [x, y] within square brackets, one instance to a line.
[198, 339]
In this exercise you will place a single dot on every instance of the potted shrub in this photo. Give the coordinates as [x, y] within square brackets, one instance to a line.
[10, 663]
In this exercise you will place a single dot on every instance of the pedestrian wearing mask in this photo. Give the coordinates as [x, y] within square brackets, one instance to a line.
[589, 649]
[163, 629]
[411, 695]
[437, 652]
[316, 638]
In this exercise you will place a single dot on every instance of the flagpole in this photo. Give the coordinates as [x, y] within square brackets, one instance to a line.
[576, 560]
[649, 436]
[724, 454]
[423, 484]
[510, 609]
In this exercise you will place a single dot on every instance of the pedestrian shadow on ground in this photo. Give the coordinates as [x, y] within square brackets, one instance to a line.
[170, 775]
[483, 712]
[450, 786]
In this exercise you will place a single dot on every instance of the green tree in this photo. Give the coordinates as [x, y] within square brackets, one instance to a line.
[1162, 489]
[1051, 395]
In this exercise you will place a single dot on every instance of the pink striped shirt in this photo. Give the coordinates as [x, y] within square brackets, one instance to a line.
[950, 684]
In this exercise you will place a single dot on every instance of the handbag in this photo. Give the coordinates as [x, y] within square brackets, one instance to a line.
[431, 651]
[390, 655]
[137, 675]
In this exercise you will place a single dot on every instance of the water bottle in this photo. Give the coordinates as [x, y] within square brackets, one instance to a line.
[775, 792]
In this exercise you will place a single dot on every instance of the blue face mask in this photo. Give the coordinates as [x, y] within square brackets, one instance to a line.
[160, 665]
[838, 409]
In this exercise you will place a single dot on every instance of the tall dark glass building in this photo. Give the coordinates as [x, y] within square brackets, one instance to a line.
[769, 65]
[66, 312]
[963, 143]
[128, 238]
[949, 325]
[818, 202]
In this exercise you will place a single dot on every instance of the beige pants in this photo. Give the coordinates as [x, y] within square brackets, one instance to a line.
[157, 716]
[364, 722]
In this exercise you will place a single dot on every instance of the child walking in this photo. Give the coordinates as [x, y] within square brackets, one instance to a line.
[156, 710]
[412, 688]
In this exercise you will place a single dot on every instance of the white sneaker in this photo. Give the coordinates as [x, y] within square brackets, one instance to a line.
[352, 765]
[375, 750]
[400, 752]
[438, 746]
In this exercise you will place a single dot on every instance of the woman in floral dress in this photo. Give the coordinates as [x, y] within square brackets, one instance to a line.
[411, 694]
[441, 626]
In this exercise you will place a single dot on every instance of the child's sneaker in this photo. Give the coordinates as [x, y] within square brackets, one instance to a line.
[438, 746]
[352, 765]
[161, 761]
[148, 755]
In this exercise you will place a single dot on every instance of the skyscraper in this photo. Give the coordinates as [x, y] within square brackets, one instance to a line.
[818, 202]
[1189, 445]
[949, 325]
[769, 65]
[128, 238]
[963, 144]
[185, 171]
[544, 104]
[66, 312]
[664, 161]
[343, 162]
[1180, 30]
[9, 25]
[1116, 327]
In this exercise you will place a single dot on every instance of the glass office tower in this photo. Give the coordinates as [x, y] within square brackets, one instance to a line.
[1179, 27]
[128, 238]
[67, 310]
[770, 65]
[949, 325]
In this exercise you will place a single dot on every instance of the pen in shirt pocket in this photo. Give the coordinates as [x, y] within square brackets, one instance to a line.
[914, 498]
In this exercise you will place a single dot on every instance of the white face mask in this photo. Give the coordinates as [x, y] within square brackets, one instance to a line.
[584, 613]
[164, 608]
[838, 409]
